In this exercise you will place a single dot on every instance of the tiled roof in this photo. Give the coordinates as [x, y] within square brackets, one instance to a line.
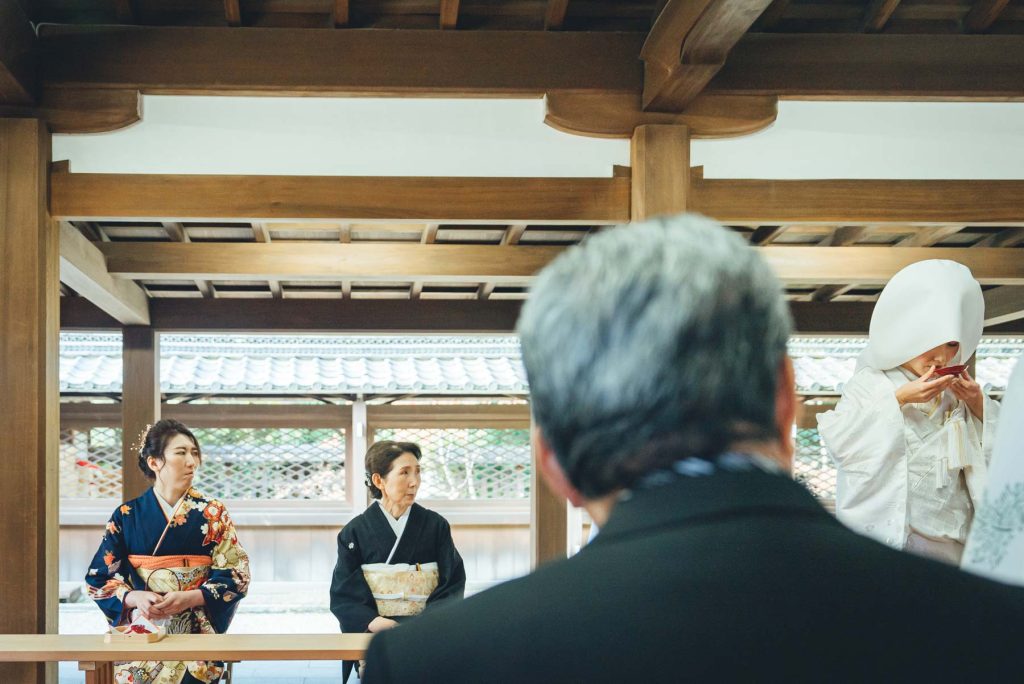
[223, 364]
[220, 364]
[823, 365]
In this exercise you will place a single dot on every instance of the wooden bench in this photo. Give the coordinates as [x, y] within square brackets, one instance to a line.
[96, 658]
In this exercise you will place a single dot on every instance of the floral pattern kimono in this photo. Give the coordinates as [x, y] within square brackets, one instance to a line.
[196, 548]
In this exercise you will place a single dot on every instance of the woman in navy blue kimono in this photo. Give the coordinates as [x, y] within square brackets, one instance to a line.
[170, 556]
[393, 530]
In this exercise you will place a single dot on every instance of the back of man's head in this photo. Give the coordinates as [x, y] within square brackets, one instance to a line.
[652, 342]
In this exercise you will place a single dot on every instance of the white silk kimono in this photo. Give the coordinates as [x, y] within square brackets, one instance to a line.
[995, 546]
[878, 446]
[869, 438]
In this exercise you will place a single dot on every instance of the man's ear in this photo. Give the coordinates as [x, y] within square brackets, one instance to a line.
[785, 411]
[551, 470]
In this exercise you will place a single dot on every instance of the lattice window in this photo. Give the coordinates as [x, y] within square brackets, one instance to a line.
[813, 466]
[272, 463]
[470, 463]
[90, 463]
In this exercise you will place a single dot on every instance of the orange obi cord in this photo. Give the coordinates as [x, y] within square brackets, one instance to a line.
[164, 562]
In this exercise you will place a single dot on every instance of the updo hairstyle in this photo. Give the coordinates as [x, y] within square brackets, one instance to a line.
[155, 441]
[381, 455]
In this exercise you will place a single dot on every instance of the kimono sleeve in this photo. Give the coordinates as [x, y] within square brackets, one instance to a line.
[865, 432]
[108, 578]
[451, 572]
[351, 599]
[229, 570]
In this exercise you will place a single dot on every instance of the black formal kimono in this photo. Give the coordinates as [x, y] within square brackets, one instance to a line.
[727, 577]
[369, 538]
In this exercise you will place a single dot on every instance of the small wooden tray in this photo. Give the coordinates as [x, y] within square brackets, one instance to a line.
[121, 634]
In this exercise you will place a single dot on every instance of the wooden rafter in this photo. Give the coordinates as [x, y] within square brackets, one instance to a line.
[82, 267]
[1004, 304]
[840, 237]
[442, 200]
[449, 14]
[873, 66]
[1010, 237]
[17, 57]
[939, 202]
[381, 63]
[340, 13]
[928, 236]
[262, 234]
[233, 12]
[983, 14]
[177, 233]
[554, 14]
[509, 238]
[765, 235]
[878, 14]
[688, 44]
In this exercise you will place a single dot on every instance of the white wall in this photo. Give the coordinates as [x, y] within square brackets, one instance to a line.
[367, 136]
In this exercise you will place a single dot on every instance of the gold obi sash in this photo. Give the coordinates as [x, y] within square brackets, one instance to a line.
[400, 589]
[171, 573]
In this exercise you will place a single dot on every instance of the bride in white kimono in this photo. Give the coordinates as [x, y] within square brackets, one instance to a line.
[995, 546]
[911, 446]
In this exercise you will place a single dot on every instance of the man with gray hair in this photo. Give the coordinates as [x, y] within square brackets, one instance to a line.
[664, 403]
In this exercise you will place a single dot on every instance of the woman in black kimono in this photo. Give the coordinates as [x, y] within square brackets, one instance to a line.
[394, 529]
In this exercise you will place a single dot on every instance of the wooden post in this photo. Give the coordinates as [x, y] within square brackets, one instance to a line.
[29, 311]
[140, 401]
[549, 520]
[660, 158]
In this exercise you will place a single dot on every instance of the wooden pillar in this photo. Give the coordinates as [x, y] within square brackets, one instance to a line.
[29, 337]
[140, 401]
[549, 520]
[660, 159]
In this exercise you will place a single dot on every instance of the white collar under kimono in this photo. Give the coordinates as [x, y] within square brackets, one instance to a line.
[168, 508]
[397, 526]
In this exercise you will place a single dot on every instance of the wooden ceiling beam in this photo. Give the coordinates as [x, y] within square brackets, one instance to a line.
[488, 263]
[75, 196]
[874, 66]
[17, 56]
[1004, 304]
[781, 202]
[688, 44]
[554, 14]
[771, 17]
[617, 115]
[406, 316]
[330, 261]
[211, 60]
[878, 14]
[983, 14]
[83, 269]
[310, 315]
[449, 14]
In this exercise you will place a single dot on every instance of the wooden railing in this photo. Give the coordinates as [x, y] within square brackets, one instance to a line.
[96, 658]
